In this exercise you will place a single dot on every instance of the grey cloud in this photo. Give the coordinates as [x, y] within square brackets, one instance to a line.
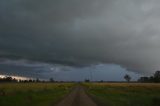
[32, 69]
[82, 32]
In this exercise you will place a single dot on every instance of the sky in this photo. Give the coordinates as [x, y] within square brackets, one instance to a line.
[69, 39]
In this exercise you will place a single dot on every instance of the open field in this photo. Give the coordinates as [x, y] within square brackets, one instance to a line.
[125, 94]
[71, 94]
[33, 94]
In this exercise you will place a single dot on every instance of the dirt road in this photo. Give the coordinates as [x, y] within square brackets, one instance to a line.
[77, 97]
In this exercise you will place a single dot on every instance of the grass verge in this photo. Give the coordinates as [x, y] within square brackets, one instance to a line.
[124, 94]
[32, 94]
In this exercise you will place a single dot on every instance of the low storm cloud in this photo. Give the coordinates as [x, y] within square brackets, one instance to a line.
[82, 33]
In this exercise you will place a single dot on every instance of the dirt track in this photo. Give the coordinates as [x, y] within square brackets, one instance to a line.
[77, 97]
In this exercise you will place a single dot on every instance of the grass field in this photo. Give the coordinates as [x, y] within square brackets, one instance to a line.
[125, 94]
[105, 94]
[32, 94]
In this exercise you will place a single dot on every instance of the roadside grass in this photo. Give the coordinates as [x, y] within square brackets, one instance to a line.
[32, 94]
[125, 94]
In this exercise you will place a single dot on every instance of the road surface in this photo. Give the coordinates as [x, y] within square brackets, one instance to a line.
[77, 97]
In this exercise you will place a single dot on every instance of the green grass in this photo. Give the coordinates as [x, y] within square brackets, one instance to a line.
[123, 94]
[32, 94]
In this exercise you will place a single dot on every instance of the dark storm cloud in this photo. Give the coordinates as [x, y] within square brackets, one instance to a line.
[31, 69]
[82, 32]
[44, 71]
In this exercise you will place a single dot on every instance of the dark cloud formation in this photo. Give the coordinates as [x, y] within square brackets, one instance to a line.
[82, 32]
[30, 69]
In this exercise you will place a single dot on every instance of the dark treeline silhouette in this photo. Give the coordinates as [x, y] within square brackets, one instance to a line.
[152, 79]
[86, 80]
[10, 79]
[155, 78]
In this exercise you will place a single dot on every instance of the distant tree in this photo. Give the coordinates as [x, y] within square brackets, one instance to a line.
[151, 79]
[101, 81]
[51, 80]
[14, 80]
[25, 81]
[144, 79]
[37, 80]
[8, 79]
[19, 80]
[87, 80]
[157, 76]
[30, 80]
[127, 78]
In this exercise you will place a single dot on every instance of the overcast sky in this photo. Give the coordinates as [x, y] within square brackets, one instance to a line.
[38, 37]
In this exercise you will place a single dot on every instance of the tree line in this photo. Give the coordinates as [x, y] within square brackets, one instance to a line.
[154, 78]
[10, 79]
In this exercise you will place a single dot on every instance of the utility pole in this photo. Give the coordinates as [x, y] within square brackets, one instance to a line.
[91, 76]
